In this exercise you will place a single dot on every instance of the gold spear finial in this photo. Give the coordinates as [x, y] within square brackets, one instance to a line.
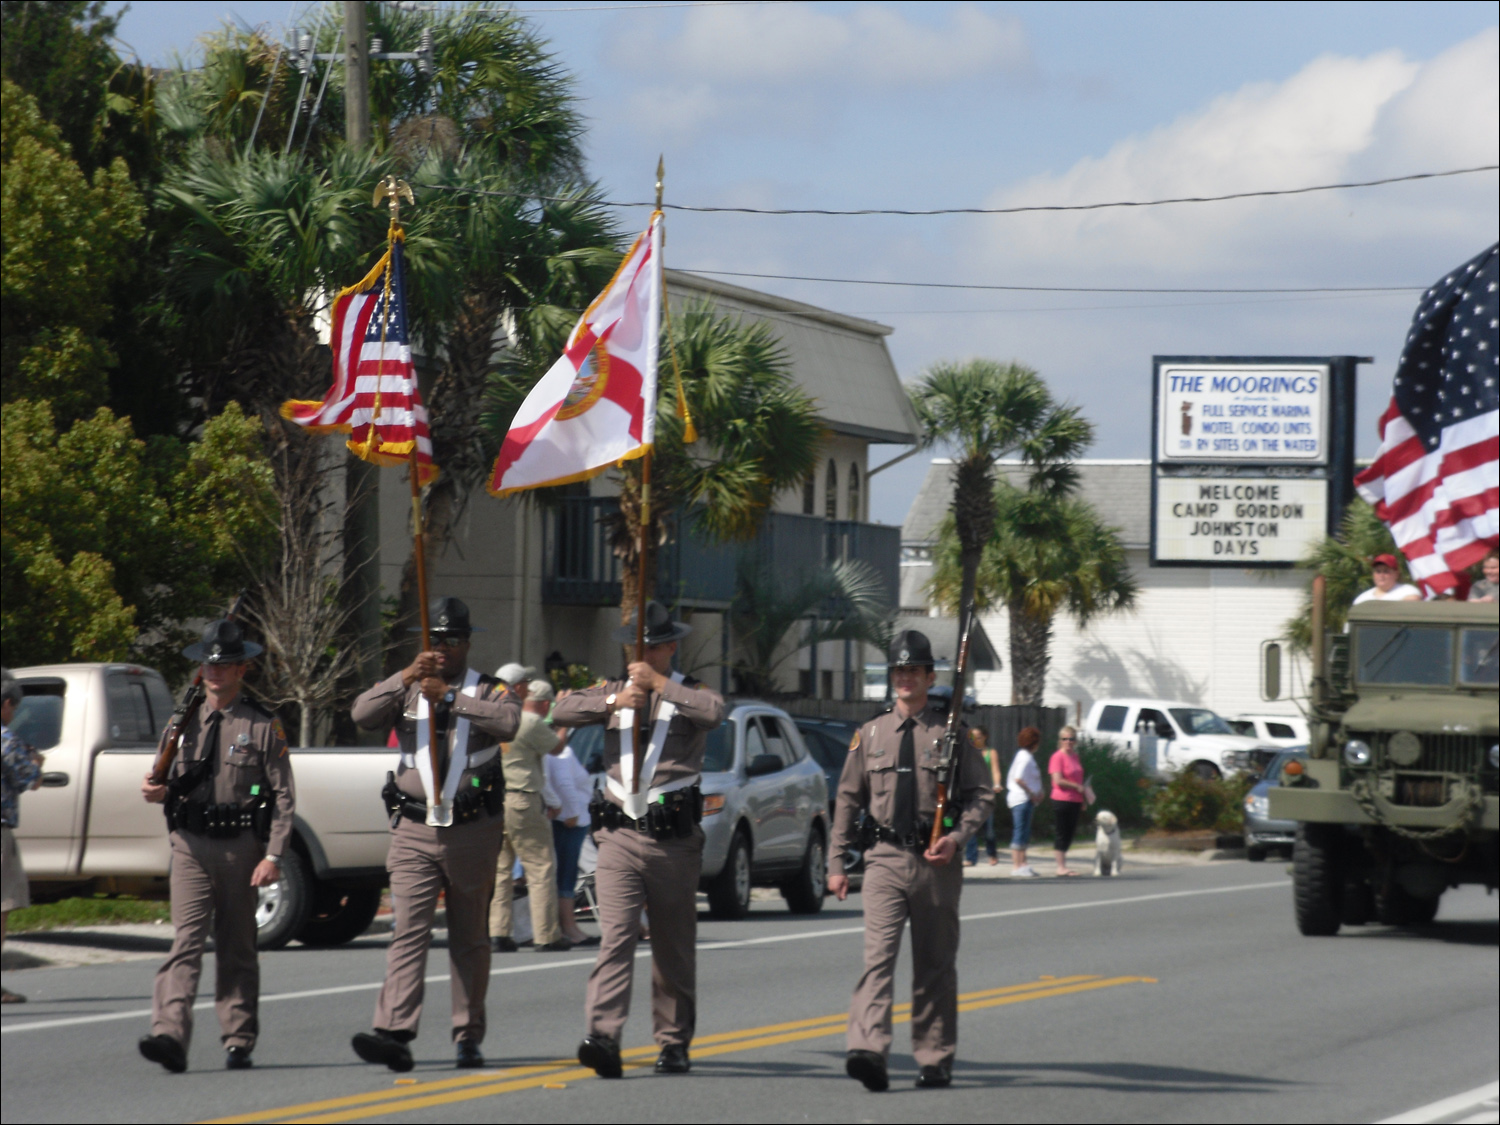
[661, 174]
[391, 190]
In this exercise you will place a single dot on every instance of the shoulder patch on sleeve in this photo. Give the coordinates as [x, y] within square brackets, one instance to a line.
[279, 731]
[854, 742]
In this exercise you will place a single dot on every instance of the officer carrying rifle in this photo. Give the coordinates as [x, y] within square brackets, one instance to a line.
[924, 807]
[649, 839]
[225, 779]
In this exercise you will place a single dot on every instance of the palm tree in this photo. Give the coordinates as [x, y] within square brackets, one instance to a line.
[986, 410]
[1049, 552]
[1344, 561]
[846, 601]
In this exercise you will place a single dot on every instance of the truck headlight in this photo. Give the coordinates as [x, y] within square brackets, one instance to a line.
[1357, 753]
[1258, 806]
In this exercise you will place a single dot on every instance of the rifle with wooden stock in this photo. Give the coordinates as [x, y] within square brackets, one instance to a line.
[941, 820]
[171, 744]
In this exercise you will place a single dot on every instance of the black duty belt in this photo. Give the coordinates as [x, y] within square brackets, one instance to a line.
[917, 841]
[672, 816]
[220, 821]
[484, 796]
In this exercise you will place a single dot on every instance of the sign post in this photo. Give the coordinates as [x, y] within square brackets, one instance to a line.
[1252, 457]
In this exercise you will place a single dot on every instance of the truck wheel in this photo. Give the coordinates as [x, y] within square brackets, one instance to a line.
[1317, 884]
[729, 893]
[1398, 907]
[284, 906]
[1207, 771]
[804, 893]
[340, 915]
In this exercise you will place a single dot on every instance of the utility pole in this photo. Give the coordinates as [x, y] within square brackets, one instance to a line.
[362, 480]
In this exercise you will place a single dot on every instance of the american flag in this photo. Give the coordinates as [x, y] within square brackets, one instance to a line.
[1435, 480]
[374, 398]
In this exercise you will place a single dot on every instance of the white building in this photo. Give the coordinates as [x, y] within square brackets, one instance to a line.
[543, 583]
[1194, 635]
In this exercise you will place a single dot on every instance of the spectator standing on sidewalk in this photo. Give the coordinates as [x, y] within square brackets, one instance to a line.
[1023, 793]
[516, 677]
[528, 836]
[980, 741]
[575, 789]
[22, 771]
[1066, 769]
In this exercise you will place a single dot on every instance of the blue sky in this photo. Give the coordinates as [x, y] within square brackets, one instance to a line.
[940, 104]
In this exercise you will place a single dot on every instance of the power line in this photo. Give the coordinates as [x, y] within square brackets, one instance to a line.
[1230, 304]
[984, 210]
[1061, 288]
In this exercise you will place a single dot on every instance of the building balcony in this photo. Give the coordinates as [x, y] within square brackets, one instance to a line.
[578, 567]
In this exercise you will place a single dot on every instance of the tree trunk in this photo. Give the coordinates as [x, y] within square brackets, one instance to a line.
[1030, 655]
[307, 727]
[974, 519]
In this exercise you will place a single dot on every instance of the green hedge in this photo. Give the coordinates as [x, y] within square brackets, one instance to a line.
[1188, 802]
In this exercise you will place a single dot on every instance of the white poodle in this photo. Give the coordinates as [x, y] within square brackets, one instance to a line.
[1107, 844]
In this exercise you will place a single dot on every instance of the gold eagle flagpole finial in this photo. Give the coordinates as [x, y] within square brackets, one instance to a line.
[392, 191]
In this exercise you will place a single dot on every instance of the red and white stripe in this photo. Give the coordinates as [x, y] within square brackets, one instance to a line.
[1440, 504]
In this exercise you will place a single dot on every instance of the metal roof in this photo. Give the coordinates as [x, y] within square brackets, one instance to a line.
[840, 361]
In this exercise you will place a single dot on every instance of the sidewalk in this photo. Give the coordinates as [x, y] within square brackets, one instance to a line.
[1081, 860]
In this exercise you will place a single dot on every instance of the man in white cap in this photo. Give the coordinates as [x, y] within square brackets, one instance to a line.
[517, 677]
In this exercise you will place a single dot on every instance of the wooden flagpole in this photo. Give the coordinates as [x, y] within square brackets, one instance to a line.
[643, 723]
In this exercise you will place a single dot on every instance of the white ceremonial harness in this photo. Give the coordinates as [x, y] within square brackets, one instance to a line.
[440, 812]
[637, 803]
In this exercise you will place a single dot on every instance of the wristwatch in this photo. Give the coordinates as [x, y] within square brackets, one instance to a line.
[609, 700]
[276, 859]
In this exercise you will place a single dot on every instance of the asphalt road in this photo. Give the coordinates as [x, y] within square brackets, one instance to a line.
[1169, 994]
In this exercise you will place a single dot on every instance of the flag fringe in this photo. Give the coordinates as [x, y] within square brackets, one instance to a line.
[572, 478]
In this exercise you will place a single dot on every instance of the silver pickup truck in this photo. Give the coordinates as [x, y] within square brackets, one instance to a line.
[87, 829]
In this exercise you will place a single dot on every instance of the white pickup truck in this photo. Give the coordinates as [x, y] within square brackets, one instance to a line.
[1169, 735]
[87, 828]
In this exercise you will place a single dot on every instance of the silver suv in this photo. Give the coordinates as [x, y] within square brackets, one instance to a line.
[765, 810]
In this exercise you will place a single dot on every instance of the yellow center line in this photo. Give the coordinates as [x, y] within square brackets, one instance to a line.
[489, 1083]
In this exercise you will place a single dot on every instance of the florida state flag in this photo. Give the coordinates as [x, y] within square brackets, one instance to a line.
[596, 406]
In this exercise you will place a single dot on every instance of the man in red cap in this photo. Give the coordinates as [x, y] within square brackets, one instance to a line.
[1388, 585]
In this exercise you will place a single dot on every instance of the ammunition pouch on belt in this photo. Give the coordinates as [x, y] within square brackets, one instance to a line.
[672, 816]
[222, 822]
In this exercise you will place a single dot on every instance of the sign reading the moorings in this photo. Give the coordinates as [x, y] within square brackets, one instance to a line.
[1243, 449]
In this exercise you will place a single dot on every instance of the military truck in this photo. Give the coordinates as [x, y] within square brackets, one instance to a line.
[1396, 801]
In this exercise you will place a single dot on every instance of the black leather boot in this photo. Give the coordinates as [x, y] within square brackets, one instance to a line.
[381, 1046]
[165, 1050]
[673, 1060]
[869, 1068]
[602, 1054]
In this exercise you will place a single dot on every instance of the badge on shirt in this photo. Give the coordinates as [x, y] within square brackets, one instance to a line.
[242, 739]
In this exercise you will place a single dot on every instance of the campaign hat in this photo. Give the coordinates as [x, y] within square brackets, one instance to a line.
[660, 628]
[911, 648]
[449, 616]
[223, 643]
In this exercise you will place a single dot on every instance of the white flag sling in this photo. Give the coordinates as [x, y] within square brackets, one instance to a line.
[637, 803]
[440, 811]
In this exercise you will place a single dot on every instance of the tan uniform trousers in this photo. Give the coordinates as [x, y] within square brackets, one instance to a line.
[211, 891]
[901, 885]
[636, 871]
[528, 835]
[458, 863]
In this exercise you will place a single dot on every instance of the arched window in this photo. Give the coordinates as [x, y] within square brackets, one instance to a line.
[854, 509]
[809, 493]
[831, 495]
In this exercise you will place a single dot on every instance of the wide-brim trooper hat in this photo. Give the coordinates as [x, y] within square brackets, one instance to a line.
[660, 628]
[223, 643]
[911, 648]
[448, 617]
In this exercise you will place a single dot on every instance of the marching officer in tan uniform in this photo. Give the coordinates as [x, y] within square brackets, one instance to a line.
[438, 700]
[229, 800]
[650, 844]
[891, 770]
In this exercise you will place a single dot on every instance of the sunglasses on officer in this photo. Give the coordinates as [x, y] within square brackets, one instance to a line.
[450, 640]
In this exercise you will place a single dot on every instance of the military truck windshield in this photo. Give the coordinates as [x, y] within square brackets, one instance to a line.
[1199, 720]
[1480, 649]
[1403, 654]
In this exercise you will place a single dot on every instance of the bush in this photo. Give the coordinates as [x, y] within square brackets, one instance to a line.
[1118, 781]
[1188, 802]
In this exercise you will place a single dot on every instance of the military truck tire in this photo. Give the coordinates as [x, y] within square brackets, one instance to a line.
[340, 915]
[729, 893]
[1256, 853]
[283, 907]
[1317, 883]
[1397, 907]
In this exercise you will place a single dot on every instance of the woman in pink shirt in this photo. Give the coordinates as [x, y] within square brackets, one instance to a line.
[1066, 770]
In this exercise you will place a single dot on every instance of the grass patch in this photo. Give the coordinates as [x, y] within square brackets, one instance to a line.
[97, 910]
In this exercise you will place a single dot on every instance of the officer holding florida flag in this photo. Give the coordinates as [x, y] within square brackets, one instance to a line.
[595, 409]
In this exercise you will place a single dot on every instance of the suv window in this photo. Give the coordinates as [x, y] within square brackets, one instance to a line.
[1403, 654]
[1480, 657]
[718, 756]
[829, 752]
[1157, 722]
[1199, 720]
[38, 720]
[767, 739]
[1112, 718]
[1280, 730]
[1245, 727]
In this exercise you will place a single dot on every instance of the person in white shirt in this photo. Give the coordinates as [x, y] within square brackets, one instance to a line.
[1388, 585]
[1023, 792]
[570, 827]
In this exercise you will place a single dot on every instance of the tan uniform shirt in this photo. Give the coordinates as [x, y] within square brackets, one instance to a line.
[253, 760]
[493, 712]
[699, 710]
[524, 771]
[869, 780]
